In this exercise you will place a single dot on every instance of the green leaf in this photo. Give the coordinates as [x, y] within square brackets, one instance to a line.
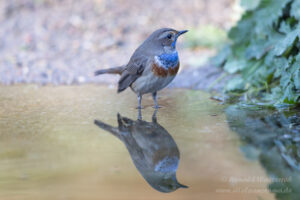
[250, 69]
[221, 57]
[257, 49]
[268, 12]
[239, 33]
[288, 96]
[234, 65]
[285, 27]
[235, 85]
[295, 9]
[282, 46]
[279, 64]
[285, 80]
[250, 5]
[297, 79]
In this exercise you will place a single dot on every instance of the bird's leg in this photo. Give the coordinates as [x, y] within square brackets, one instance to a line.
[154, 95]
[140, 114]
[140, 101]
[154, 119]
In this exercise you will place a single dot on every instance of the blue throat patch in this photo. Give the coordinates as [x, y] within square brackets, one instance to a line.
[174, 43]
[168, 164]
[169, 59]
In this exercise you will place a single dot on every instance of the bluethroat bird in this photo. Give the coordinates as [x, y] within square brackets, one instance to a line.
[152, 150]
[153, 65]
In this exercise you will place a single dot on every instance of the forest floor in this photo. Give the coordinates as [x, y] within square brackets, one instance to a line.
[65, 41]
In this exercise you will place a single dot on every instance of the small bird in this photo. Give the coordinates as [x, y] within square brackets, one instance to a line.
[152, 149]
[153, 65]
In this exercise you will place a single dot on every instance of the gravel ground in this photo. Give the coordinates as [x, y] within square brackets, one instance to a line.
[65, 41]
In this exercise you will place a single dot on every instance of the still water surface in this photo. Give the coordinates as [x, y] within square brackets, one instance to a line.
[51, 147]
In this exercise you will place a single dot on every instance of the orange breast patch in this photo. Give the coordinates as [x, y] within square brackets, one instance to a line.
[162, 72]
[173, 70]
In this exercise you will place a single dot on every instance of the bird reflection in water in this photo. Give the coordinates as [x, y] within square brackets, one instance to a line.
[152, 149]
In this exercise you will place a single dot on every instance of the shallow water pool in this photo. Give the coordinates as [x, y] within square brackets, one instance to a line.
[51, 148]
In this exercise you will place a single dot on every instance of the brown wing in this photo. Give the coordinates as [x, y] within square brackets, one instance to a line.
[134, 69]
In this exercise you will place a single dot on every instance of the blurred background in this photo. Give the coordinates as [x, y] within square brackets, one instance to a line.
[65, 41]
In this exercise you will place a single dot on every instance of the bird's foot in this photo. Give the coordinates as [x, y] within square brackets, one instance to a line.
[140, 107]
[156, 106]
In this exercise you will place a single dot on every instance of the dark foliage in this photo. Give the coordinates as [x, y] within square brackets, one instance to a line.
[264, 54]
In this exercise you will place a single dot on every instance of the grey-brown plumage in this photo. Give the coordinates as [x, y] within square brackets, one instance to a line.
[152, 149]
[139, 73]
[115, 70]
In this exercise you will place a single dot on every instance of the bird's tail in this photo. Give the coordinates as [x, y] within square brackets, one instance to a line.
[114, 70]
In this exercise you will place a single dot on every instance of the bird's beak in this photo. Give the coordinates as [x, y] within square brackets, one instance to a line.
[181, 32]
[179, 185]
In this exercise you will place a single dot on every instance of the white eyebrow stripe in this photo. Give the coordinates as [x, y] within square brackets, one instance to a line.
[165, 34]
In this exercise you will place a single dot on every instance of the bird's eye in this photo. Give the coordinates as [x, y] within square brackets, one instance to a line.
[169, 36]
